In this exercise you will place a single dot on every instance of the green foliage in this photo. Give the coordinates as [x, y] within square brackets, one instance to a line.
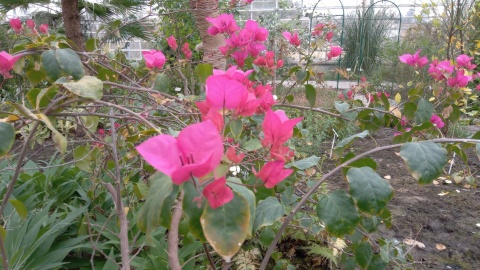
[268, 212]
[226, 227]
[7, 133]
[337, 210]
[425, 160]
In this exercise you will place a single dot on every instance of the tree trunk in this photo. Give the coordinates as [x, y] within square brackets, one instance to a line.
[202, 9]
[71, 22]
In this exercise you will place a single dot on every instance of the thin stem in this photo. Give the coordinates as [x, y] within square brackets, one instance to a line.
[173, 235]
[326, 176]
[209, 256]
[124, 245]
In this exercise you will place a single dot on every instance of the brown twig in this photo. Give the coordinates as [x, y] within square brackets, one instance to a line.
[173, 235]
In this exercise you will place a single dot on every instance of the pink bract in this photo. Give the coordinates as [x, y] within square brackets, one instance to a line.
[414, 60]
[7, 62]
[258, 33]
[172, 43]
[43, 28]
[292, 38]
[196, 151]
[463, 61]
[277, 128]
[437, 121]
[217, 193]
[334, 52]
[272, 173]
[225, 93]
[154, 59]
[16, 25]
[224, 23]
[186, 50]
[233, 157]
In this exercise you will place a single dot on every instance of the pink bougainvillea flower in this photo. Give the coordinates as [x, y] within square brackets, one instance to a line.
[196, 151]
[329, 36]
[277, 128]
[264, 93]
[172, 43]
[240, 57]
[222, 92]
[259, 34]
[224, 23]
[16, 25]
[463, 61]
[217, 193]
[154, 59]
[234, 73]
[437, 121]
[30, 24]
[292, 38]
[43, 28]
[379, 94]
[211, 114]
[440, 70]
[318, 29]
[248, 105]
[477, 87]
[334, 52]
[414, 60]
[186, 50]
[460, 80]
[233, 157]
[6, 63]
[272, 173]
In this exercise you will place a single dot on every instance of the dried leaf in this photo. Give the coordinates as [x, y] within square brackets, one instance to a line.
[388, 177]
[414, 243]
[440, 247]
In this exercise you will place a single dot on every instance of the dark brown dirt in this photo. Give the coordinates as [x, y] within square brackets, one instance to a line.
[420, 213]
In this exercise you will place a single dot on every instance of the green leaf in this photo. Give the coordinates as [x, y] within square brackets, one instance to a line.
[248, 195]
[370, 224]
[226, 227]
[363, 254]
[59, 140]
[70, 63]
[83, 158]
[342, 145]
[409, 110]
[91, 44]
[51, 66]
[150, 215]
[455, 114]
[87, 87]
[310, 94]
[337, 210]
[290, 98]
[424, 111]
[3, 233]
[193, 210]
[268, 212]
[377, 263]
[7, 135]
[341, 107]
[387, 218]
[304, 163]
[161, 83]
[204, 71]
[301, 76]
[20, 208]
[91, 122]
[369, 190]
[252, 145]
[266, 236]
[236, 126]
[425, 160]
[362, 162]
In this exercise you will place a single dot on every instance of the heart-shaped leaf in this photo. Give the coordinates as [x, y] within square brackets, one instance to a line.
[425, 160]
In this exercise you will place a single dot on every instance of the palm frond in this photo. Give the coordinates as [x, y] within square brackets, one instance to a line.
[7, 5]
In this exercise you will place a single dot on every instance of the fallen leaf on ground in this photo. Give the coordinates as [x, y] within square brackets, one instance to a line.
[442, 193]
[440, 247]
[448, 181]
[435, 182]
[478, 224]
[414, 243]
[388, 177]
